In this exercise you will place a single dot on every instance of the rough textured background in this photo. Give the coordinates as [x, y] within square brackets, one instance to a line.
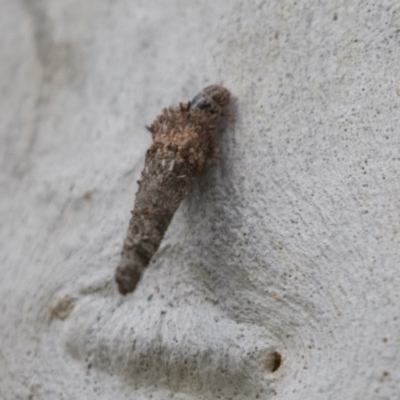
[289, 244]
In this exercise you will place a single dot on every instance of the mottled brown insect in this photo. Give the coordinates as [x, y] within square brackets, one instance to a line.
[183, 141]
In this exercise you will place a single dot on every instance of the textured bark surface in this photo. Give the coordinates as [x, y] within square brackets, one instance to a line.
[278, 277]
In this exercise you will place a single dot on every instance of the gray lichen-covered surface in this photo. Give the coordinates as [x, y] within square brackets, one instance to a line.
[279, 275]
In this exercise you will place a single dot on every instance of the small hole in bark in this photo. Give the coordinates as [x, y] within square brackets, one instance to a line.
[274, 361]
[87, 195]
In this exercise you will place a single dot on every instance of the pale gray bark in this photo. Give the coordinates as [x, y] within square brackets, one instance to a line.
[279, 275]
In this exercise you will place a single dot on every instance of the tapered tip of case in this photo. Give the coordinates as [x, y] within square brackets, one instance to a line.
[127, 280]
